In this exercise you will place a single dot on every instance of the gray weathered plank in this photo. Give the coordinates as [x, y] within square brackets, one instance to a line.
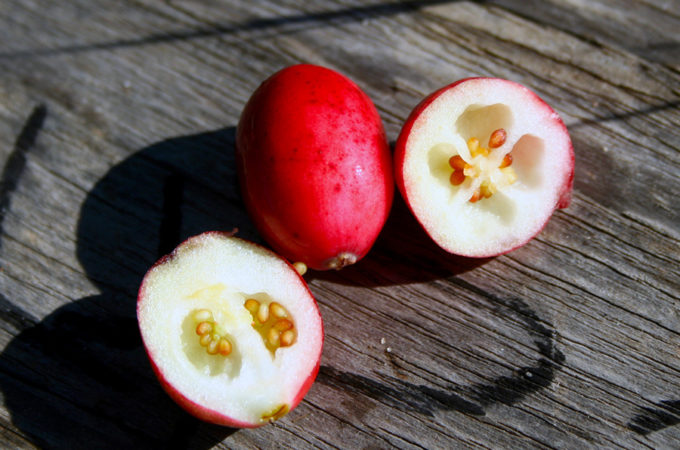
[116, 132]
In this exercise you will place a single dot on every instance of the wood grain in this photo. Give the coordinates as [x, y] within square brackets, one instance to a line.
[116, 142]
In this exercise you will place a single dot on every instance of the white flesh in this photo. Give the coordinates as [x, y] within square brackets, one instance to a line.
[219, 273]
[542, 161]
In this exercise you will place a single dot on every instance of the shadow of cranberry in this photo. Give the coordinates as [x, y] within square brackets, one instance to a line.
[80, 378]
[403, 253]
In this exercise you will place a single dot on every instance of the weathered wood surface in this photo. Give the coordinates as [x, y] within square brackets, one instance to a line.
[116, 138]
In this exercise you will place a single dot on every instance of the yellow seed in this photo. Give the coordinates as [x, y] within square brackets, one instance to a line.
[457, 177]
[263, 313]
[300, 267]
[507, 160]
[510, 175]
[287, 338]
[203, 328]
[457, 163]
[273, 337]
[276, 413]
[212, 347]
[470, 171]
[203, 315]
[224, 347]
[282, 411]
[283, 325]
[252, 305]
[497, 138]
[475, 149]
[485, 190]
[276, 310]
[205, 340]
[473, 144]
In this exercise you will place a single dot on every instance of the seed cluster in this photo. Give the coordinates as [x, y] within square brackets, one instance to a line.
[209, 337]
[273, 323]
[463, 170]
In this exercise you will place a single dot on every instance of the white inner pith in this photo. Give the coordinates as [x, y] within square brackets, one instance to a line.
[252, 381]
[226, 321]
[486, 171]
[520, 205]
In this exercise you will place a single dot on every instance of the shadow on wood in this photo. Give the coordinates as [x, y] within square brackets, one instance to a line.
[403, 253]
[473, 399]
[665, 414]
[80, 378]
[278, 25]
[16, 161]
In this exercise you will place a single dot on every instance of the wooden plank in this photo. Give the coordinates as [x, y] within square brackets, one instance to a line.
[116, 138]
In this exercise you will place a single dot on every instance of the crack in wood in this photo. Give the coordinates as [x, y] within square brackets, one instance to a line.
[622, 116]
[473, 399]
[351, 14]
[14, 315]
[16, 162]
[399, 394]
[650, 420]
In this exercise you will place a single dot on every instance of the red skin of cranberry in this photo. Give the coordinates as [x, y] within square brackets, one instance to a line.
[314, 166]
